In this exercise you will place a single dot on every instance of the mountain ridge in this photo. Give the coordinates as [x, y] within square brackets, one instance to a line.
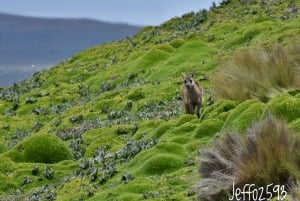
[27, 41]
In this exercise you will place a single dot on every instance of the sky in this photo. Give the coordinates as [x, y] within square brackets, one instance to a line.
[137, 12]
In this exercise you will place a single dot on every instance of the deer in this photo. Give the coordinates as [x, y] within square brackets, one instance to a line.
[192, 94]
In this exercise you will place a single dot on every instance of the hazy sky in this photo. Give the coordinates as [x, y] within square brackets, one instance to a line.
[141, 12]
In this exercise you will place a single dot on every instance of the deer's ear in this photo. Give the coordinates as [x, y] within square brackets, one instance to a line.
[183, 75]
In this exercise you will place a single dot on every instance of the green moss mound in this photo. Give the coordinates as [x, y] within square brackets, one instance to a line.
[163, 158]
[185, 118]
[177, 43]
[161, 163]
[171, 147]
[208, 128]
[166, 48]
[161, 129]
[130, 192]
[40, 148]
[184, 128]
[285, 106]
[244, 115]
[218, 110]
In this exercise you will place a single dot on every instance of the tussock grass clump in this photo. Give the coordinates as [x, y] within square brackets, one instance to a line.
[260, 74]
[268, 154]
[296, 191]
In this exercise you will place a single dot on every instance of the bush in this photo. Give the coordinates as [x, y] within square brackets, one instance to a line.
[268, 154]
[259, 74]
[40, 149]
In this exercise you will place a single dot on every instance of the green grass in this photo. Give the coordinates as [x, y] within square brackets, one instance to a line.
[121, 103]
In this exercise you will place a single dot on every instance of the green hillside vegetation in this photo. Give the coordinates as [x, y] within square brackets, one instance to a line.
[108, 123]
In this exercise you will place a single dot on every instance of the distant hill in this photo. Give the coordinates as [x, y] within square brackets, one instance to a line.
[27, 42]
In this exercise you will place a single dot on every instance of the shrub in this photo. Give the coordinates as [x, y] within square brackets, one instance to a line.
[259, 74]
[268, 154]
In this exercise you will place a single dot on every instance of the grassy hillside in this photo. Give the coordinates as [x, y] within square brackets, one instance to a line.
[108, 123]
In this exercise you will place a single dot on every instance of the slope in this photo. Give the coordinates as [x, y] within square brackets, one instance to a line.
[117, 109]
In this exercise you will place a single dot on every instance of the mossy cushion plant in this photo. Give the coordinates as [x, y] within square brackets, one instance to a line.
[244, 115]
[164, 158]
[219, 110]
[208, 128]
[161, 164]
[40, 148]
[285, 106]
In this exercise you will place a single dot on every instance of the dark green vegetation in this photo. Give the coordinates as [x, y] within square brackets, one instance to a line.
[115, 112]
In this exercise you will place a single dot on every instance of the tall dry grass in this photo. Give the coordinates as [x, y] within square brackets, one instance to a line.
[296, 191]
[267, 154]
[258, 73]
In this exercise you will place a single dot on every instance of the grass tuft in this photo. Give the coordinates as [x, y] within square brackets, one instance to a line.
[268, 154]
[259, 74]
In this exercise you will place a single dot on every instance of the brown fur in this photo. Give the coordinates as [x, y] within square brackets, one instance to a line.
[192, 95]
